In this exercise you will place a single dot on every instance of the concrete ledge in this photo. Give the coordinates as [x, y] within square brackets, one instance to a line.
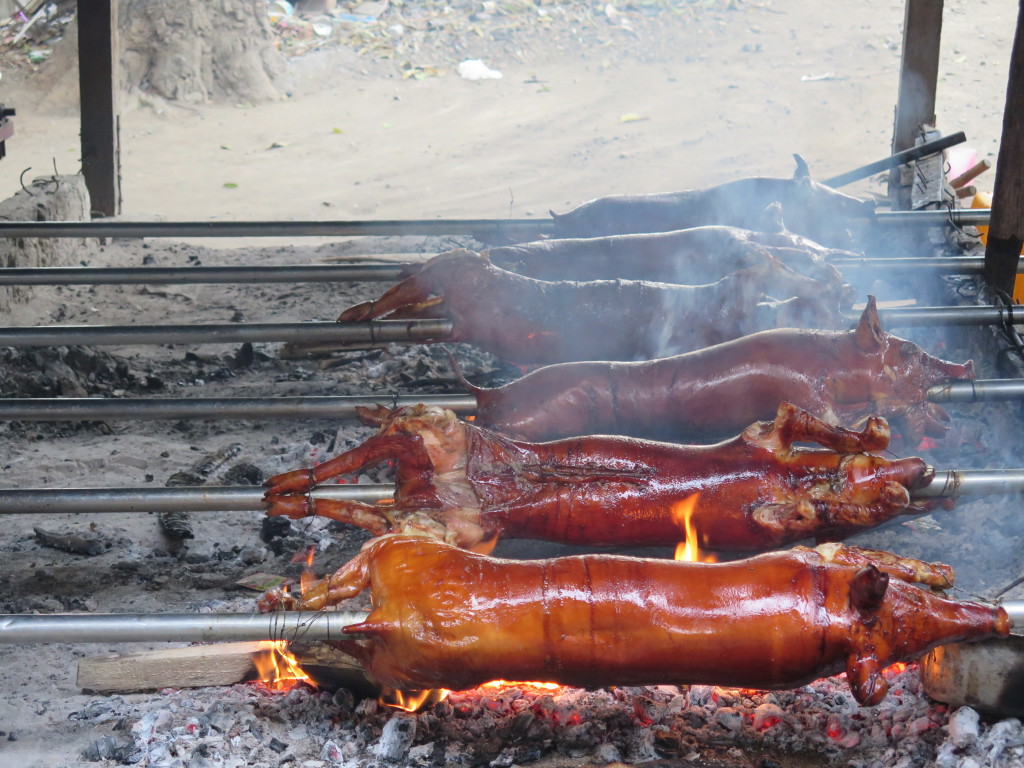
[51, 198]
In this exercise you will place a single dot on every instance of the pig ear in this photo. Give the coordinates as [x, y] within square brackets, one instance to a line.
[869, 334]
[771, 218]
[868, 588]
[802, 171]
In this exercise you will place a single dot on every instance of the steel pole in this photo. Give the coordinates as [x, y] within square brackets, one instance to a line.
[371, 332]
[912, 316]
[369, 272]
[383, 331]
[249, 408]
[290, 626]
[426, 227]
[305, 626]
[987, 390]
[957, 265]
[520, 228]
[200, 275]
[22, 501]
[894, 161]
[961, 217]
[957, 483]
[14, 501]
[344, 407]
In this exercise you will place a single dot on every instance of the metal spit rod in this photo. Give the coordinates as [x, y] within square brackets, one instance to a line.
[205, 498]
[422, 227]
[344, 407]
[982, 390]
[371, 332]
[963, 265]
[332, 273]
[948, 484]
[303, 626]
[151, 409]
[306, 626]
[528, 228]
[385, 331]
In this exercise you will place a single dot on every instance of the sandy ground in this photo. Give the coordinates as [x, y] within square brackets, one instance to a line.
[733, 102]
[369, 144]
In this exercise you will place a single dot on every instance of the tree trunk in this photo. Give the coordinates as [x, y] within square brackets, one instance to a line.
[196, 52]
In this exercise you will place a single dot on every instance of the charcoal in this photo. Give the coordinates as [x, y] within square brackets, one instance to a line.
[395, 739]
[91, 544]
[106, 748]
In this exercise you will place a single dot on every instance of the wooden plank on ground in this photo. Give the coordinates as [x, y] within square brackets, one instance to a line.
[214, 664]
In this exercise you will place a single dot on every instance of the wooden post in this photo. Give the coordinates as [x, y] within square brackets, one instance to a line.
[919, 72]
[98, 85]
[1006, 227]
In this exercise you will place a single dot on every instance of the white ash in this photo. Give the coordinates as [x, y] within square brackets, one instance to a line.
[248, 724]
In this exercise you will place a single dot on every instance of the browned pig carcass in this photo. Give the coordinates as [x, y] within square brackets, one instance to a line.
[811, 209]
[697, 255]
[446, 618]
[533, 321]
[840, 376]
[468, 485]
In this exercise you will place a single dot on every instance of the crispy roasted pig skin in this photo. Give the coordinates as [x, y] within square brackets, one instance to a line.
[811, 209]
[467, 485]
[534, 321]
[447, 618]
[689, 256]
[840, 376]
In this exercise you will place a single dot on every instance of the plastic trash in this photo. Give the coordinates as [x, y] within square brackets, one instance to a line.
[474, 69]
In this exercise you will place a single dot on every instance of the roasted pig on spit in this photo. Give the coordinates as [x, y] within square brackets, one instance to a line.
[447, 618]
[468, 485]
[811, 209]
[533, 321]
[840, 376]
[697, 255]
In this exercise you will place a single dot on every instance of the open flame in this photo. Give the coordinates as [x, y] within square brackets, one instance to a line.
[688, 549]
[413, 701]
[308, 577]
[277, 668]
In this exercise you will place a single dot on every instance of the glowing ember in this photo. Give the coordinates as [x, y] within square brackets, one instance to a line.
[278, 669]
[413, 701]
[894, 669]
[511, 684]
[927, 444]
[688, 549]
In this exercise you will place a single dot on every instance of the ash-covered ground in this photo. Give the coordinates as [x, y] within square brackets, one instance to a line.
[124, 562]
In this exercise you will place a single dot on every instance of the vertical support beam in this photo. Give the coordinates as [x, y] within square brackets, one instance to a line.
[919, 72]
[1006, 227]
[98, 80]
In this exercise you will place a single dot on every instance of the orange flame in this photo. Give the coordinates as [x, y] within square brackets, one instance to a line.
[277, 668]
[308, 577]
[412, 701]
[688, 549]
